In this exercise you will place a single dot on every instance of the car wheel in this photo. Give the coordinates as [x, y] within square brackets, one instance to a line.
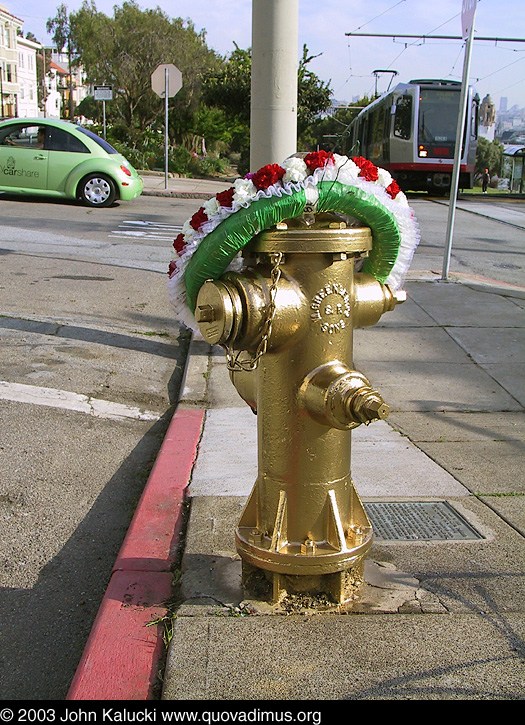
[97, 190]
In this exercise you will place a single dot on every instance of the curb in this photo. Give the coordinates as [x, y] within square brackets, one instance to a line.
[177, 194]
[121, 657]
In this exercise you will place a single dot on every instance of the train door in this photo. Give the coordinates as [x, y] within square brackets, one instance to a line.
[402, 150]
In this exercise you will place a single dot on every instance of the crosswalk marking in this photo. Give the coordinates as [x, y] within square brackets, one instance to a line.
[145, 229]
[52, 398]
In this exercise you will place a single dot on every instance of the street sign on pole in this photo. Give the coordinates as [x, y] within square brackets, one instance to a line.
[174, 80]
[103, 93]
[468, 11]
[166, 81]
[469, 7]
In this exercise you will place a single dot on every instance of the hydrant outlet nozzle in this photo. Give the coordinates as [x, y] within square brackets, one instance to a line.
[341, 398]
[366, 406]
[218, 312]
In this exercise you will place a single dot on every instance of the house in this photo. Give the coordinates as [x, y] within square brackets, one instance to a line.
[27, 105]
[10, 26]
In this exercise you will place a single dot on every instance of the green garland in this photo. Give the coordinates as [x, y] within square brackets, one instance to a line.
[221, 245]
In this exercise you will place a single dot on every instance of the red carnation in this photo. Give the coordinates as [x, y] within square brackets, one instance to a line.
[179, 243]
[393, 189]
[225, 198]
[198, 219]
[368, 169]
[268, 175]
[318, 159]
[172, 268]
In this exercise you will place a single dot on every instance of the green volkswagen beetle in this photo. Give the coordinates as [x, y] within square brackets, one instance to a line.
[57, 158]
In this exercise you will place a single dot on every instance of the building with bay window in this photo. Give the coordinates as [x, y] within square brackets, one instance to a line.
[10, 26]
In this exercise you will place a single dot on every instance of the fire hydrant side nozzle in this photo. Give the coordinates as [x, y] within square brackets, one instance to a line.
[341, 398]
[372, 299]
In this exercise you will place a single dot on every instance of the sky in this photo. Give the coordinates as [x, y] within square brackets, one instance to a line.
[348, 63]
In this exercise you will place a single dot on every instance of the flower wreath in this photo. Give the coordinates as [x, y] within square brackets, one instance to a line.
[215, 234]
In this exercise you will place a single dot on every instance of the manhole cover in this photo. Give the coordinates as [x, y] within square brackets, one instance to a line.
[418, 521]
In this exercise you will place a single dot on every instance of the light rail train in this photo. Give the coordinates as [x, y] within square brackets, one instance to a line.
[411, 131]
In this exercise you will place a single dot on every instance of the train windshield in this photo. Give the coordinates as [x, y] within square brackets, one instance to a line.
[438, 115]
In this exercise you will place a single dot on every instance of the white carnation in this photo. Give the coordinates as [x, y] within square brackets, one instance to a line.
[347, 171]
[384, 177]
[296, 170]
[244, 191]
[211, 207]
[188, 231]
[401, 199]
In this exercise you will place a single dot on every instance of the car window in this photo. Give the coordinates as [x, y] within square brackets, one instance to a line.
[24, 136]
[101, 142]
[60, 140]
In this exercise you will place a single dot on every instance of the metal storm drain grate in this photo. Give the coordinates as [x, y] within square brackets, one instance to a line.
[418, 521]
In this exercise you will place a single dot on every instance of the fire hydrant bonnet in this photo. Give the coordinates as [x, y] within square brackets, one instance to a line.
[319, 182]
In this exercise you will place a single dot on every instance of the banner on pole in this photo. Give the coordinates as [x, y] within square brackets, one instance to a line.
[468, 10]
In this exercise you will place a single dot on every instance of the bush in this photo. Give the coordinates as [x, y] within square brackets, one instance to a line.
[179, 159]
[207, 166]
[146, 151]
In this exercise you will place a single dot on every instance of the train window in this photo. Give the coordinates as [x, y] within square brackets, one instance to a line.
[403, 117]
[438, 115]
[377, 125]
[474, 120]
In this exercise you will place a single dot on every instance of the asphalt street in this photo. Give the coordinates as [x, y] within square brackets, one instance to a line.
[91, 363]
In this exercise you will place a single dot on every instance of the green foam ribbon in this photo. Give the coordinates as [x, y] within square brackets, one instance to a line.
[221, 245]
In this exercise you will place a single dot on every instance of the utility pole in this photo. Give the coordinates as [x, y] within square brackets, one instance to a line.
[273, 115]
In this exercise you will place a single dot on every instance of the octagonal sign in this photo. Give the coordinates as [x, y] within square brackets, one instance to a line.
[158, 80]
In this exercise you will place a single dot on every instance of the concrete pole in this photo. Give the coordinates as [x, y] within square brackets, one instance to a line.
[273, 123]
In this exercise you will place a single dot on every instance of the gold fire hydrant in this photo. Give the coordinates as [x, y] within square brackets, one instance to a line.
[286, 322]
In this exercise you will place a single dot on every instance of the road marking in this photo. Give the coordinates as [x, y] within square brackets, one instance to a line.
[153, 231]
[20, 393]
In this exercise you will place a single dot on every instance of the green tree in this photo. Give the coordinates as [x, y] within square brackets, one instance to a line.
[313, 94]
[229, 89]
[332, 133]
[62, 33]
[489, 156]
[134, 43]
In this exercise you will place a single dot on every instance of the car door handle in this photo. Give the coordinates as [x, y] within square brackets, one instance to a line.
[40, 157]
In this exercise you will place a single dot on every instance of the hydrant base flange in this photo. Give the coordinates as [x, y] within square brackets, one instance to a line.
[306, 591]
[342, 548]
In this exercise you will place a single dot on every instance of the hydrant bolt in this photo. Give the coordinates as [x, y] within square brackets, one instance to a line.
[205, 313]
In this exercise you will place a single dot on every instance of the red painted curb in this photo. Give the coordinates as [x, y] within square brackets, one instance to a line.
[152, 539]
[121, 656]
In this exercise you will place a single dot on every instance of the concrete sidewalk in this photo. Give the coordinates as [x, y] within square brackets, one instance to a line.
[441, 616]
[181, 187]
[438, 619]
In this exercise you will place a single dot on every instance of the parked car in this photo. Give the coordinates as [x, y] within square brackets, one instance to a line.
[58, 158]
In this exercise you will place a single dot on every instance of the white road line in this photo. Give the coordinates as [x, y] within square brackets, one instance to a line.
[20, 393]
[146, 230]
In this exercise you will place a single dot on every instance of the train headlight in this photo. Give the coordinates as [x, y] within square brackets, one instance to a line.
[422, 151]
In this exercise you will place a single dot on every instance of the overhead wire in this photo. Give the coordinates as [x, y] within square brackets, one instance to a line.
[359, 28]
[378, 16]
[419, 41]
